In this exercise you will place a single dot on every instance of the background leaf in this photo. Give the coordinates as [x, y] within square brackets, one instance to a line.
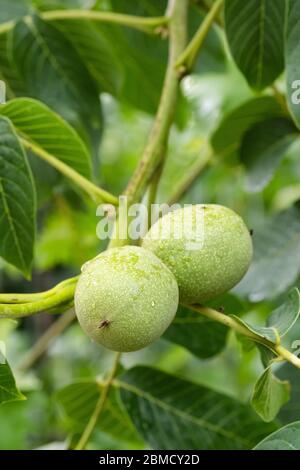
[269, 395]
[287, 314]
[8, 389]
[143, 57]
[171, 413]
[202, 337]
[291, 411]
[255, 33]
[287, 438]
[263, 148]
[292, 57]
[78, 401]
[17, 201]
[37, 123]
[8, 71]
[232, 128]
[96, 51]
[12, 10]
[54, 73]
[276, 257]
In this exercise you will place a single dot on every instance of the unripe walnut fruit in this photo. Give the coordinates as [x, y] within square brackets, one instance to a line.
[207, 247]
[126, 298]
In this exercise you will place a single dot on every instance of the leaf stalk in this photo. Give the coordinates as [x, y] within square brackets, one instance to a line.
[83, 441]
[230, 322]
[97, 194]
[187, 59]
[144, 24]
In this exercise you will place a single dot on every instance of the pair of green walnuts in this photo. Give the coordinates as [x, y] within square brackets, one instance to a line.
[127, 297]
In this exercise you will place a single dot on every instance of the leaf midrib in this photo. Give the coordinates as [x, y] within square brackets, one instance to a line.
[261, 47]
[11, 225]
[198, 421]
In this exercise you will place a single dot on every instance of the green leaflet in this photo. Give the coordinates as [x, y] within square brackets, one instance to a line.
[17, 201]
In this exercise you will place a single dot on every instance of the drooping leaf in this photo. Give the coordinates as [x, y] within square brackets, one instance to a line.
[8, 389]
[263, 148]
[266, 355]
[230, 132]
[287, 438]
[281, 320]
[53, 72]
[264, 332]
[17, 201]
[78, 401]
[291, 411]
[37, 123]
[276, 262]
[171, 413]
[8, 71]
[96, 51]
[202, 337]
[255, 33]
[292, 59]
[269, 395]
[287, 314]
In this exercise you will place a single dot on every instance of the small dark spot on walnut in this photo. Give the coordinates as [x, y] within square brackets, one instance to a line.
[251, 232]
[104, 324]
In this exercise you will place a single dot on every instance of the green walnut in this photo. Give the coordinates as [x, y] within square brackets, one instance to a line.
[207, 247]
[126, 298]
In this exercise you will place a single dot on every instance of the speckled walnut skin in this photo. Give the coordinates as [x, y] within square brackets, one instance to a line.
[126, 298]
[218, 265]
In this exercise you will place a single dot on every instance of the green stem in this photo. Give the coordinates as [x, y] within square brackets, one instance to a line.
[97, 194]
[281, 100]
[152, 191]
[99, 406]
[62, 294]
[46, 339]
[147, 25]
[287, 355]
[28, 298]
[187, 59]
[242, 330]
[155, 148]
[204, 6]
[153, 154]
[21, 298]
